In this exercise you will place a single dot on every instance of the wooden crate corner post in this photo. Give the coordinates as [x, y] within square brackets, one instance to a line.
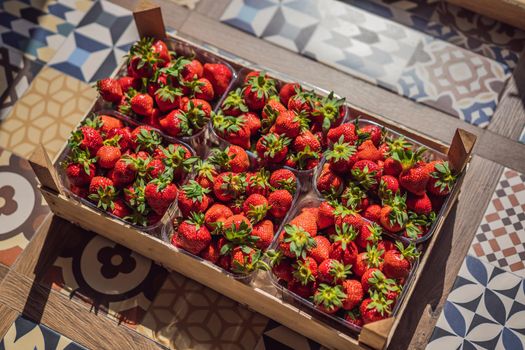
[44, 169]
[376, 334]
[149, 21]
[460, 149]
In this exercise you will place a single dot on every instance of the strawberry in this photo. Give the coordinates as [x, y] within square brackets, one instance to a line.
[393, 215]
[333, 271]
[110, 90]
[219, 76]
[193, 198]
[371, 132]
[211, 252]
[294, 241]
[124, 172]
[168, 98]
[239, 161]
[343, 247]
[192, 70]
[120, 209]
[144, 138]
[392, 167]
[369, 275]
[86, 138]
[415, 179]
[265, 231]
[82, 192]
[328, 182]
[419, 204]
[354, 197]
[142, 59]
[142, 104]
[270, 113]
[441, 179]
[216, 214]
[102, 191]
[205, 173]
[200, 89]
[108, 123]
[372, 213]
[325, 216]
[126, 83]
[161, 50]
[272, 148]
[281, 266]
[372, 258]
[252, 121]
[354, 294]
[374, 309]
[398, 262]
[258, 182]
[321, 250]
[257, 91]
[233, 105]
[198, 112]
[329, 299]
[255, 207]
[369, 234]
[301, 102]
[193, 235]
[279, 203]
[366, 173]
[283, 179]
[328, 111]
[246, 259]
[79, 174]
[388, 187]
[341, 157]
[305, 271]
[229, 186]
[347, 216]
[303, 291]
[159, 194]
[253, 74]
[233, 129]
[123, 135]
[346, 131]
[354, 317]
[156, 168]
[290, 124]
[306, 220]
[306, 141]
[287, 91]
[368, 151]
[108, 156]
[175, 123]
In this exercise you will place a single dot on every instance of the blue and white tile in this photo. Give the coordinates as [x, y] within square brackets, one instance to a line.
[522, 136]
[98, 44]
[25, 334]
[485, 310]
[39, 28]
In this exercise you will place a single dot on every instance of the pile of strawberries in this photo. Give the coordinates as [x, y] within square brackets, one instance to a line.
[129, 172]
[229, 212]
[284, 126]
[169, 92]
[329, 255]
[386, 180]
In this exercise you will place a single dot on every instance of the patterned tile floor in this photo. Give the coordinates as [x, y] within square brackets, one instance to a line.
[25, 334]
[441, 59]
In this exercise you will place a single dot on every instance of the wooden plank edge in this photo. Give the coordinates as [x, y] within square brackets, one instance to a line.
[148, 19]
[44, 169]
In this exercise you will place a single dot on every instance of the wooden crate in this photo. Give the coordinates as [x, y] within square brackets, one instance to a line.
[508, 11]
[260, 295]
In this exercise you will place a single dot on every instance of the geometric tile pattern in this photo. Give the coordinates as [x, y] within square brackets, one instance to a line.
[372, 41]
[500, 239]
[484, 310]
[277, 336]
[107, 276]
[97, 45]
[38, 28]
[24, 334]
[16, 73]
[48, 111]
[22, 207]
[188, 315]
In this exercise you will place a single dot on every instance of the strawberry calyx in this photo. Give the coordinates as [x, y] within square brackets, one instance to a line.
[114, 141]
[299, 239]
[398, 145]
[345, 234]
[409, 252]
[221, 158]
[163, 180]
[260, 84]
[234, 183]
[137, 199]
[139, 164]
[379, 283]
[196, 219]
[205, 168]
[104, 197]
[373, 256]
[137, 218]
[340, 150]
[365, 177]
[194, 86]
[444, 176]
[238, 236]
[339, 271]
[257, 212]
[302, 272]
[94, 122]
[260, 179]
[376, 232]
[329, 297]
[227, 124]
[234, 100]
[398, 214]
[328, 108]
[409, 157]
[81, 157]
[196, 116]
[147, 140]
[353, 195]
[174, 70]
[301, 158]
[380, 304]
[194, 191]
[168, 93]
[252, 260]
[175, 157]
[274, 144]
[143, 50]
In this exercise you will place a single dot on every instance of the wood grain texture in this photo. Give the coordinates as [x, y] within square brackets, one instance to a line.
[174, 15]
[7, 318]
[398, 109]
[67, 317]
[446, 256]
[212, 8]
[3, 271]
[508, 11]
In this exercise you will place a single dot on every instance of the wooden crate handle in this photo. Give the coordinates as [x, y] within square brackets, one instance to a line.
[460, 149]
[148, 19]
[44, 170]
[375, 335]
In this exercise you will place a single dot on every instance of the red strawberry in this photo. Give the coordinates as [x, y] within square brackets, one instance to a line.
[219, 75]
[127, 83]
[373, 213]
[354, 317]
[388, 187]
[82, 192]
[366, 173]
[306, 141]
[367, 276]
[159, 194]
[283, 179]
[144, 138]
[205, 173]
[211, 252]
[156, 168]
[287, 91]
[108, 156]
[283, 270]
[253, 123]
[333, 271]
[110, 90]
[265, 231]
[108, 123]
[347, 131]
[354, 294]
[168, 98]
[175, 123]
[233, 129]
[86, 138]
[393, 218]
[321, 250]
[245, 260]
[142, 60]
[441, 179]
[371, 132]
[419, 204]
[392, 167]
[160, 48]
[301, 102]
[290, 124]
[366, 260]
[415, 179]
[142, 104]
[272, 148]
[343, 247]
[369, 234]
[80, 169]
[123, 136]
[354, 197]
[215, 214]
[101, 190]
[255, 207]
[193, 235]
[374, 309]
[368, 151]
[341, 157]
[328, 182]
[280, 202]
[258, 183]
[124, 172]
[295, 241]
[198, 111]
[192, 70]
[306, 220]
[397, 262]
[270, 112]
[257, 91]
[347, 216]
[199, 88]
[233, 104]
[229, 186]
[305, 271]
[303, 291]
[120, 209]
[193, 198]
[325, 217]
[239, 161]
[329, 299]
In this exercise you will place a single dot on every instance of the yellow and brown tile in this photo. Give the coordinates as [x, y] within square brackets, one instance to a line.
[52, 106]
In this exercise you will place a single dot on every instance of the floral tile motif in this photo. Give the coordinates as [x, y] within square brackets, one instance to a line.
[485, 310]
[188, 315]
[16, 73]
[500, 239]
[38, 28]
[97, 45]
[22, 208]
[389, 46]
[48, 111]
[109, 277]
[25, 334]
[279, 337]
